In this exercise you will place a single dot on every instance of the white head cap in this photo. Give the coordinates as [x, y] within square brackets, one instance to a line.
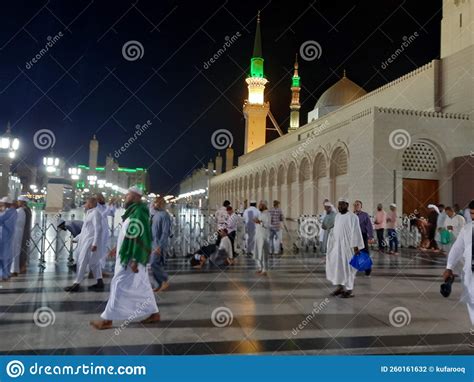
[136, 190]
[327, 204]
[253, 202]
[434, 207]
[6, 199]
[22, 198]
[345, 200]
[393, 205]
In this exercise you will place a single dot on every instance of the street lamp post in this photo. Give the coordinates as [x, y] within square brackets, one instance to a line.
[8, 148]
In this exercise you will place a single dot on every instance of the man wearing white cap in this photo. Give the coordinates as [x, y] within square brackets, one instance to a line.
[345, 241]
[250, 214]
[7, 226]
[131, 294]
[262, 238]
[104, 238]
[20, 228]
[327, 224]
[88, 255]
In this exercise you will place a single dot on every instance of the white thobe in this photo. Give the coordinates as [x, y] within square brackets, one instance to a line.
[342, 239]
[104, 237]
[262, 240]
[17, 239]
[249, 219]
[90, 235]
[131, 295]
[462, 250]
[457, 222]
[467, 215]
[221, 217]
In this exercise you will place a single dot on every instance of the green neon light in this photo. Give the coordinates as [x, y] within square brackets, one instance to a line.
[121, 169]
[295, 82]
[256, 67]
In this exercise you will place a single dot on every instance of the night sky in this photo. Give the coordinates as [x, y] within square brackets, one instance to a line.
[83, 85]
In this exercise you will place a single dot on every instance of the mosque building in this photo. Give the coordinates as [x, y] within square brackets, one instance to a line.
[409, 142]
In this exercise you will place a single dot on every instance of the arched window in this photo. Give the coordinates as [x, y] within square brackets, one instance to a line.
[420, 157]
[338, 162]
[319, 168]
[291, 177]
[304, 170]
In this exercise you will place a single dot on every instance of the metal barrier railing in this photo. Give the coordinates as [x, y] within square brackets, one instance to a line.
[189, 233]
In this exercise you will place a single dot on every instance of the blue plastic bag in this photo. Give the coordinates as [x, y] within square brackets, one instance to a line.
[362, 261]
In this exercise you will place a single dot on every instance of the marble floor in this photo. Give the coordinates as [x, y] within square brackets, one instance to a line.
[398, 310]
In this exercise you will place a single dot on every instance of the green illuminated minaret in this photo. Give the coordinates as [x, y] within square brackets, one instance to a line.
[295, 99]
[256, 62]
[255, 107]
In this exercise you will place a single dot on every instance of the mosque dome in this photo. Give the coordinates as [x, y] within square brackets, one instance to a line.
[339, 94]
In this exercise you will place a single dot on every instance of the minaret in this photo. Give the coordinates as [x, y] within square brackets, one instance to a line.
[295, 99]
[255, 107]
[93, 154]
[218, 164]
[229, 159]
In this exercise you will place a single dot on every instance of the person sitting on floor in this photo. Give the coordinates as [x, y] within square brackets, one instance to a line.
[223, 256]
[199, 259]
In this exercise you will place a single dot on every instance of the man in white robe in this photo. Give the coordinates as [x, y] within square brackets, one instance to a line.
[462, 252]
[104, 238]
[345, 240]
[131, 293]
[17, 239]
[262, 238]
[454, 223]
[250, 214]
[88, 256]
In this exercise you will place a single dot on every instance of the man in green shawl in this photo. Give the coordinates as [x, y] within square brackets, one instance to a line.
[131, 294]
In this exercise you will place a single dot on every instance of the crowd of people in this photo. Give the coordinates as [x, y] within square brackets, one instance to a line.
[15, 223]
[143, 244]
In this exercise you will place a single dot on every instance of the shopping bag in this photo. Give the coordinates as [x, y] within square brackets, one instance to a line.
[446, 236]
[361, 261]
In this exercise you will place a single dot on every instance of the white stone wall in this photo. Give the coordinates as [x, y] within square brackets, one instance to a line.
[457, 85]
[457, 29]
[450, 135]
